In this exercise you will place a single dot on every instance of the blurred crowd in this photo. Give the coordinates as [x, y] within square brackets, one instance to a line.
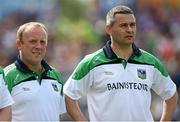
[158, 23]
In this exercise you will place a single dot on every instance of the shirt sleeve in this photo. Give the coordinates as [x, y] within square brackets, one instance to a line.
[5, 97]
[81, 80]
[75, 89]
[62, 105]
[163, 85]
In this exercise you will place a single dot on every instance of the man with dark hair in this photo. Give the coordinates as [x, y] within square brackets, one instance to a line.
[118, 78]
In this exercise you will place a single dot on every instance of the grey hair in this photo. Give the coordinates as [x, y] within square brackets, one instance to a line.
[117, 10]
[23, 27]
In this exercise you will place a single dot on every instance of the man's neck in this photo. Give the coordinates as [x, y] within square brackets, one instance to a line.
[38, 69]
[122, 51]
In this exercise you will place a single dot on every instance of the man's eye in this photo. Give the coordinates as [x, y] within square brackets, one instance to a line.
[133, 24]
[33, 41]
[123, 25]
[43, 42]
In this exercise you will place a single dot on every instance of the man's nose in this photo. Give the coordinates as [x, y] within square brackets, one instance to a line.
[38, 45]
[129, 28]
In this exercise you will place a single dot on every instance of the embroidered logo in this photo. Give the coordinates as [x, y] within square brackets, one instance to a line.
[108, 73]
[26, 89]
[141, 73]
[55, 87]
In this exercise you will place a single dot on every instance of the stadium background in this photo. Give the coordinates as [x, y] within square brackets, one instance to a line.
[76, 28]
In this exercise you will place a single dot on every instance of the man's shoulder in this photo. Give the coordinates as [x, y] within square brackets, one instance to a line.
[148, 57]
[10, 69]
[93, 58]
[88, 63]
[94, 54]
[54, 70]
[56, 74]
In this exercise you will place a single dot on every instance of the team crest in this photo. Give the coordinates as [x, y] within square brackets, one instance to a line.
[54, 87]
[141, 73]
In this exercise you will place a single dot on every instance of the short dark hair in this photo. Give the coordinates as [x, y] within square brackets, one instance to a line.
[117, 10]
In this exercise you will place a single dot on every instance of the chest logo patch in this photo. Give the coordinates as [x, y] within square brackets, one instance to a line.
[55, 87]
[108, 73]
[141, 73]
[26, 89]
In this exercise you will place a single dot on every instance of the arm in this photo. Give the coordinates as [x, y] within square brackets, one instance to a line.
[64, 117]
[74, 110]
[169, 107]
[5, 114]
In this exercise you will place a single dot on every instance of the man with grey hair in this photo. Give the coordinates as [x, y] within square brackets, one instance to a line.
[35, 86]
[118, 78]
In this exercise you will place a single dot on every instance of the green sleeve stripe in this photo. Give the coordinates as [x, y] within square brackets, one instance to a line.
[9, 68]
[13, 76]
[99, 58]
[1, 70]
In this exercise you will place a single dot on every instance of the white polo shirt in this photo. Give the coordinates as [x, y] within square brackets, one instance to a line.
[37, 98]
[119, 90]
[5, 97]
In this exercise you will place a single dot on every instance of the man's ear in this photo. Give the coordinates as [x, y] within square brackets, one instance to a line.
[108, 29]
[18, 44]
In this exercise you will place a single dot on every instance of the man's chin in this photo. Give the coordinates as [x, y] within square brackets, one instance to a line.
[37, 59]
[129, 42]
